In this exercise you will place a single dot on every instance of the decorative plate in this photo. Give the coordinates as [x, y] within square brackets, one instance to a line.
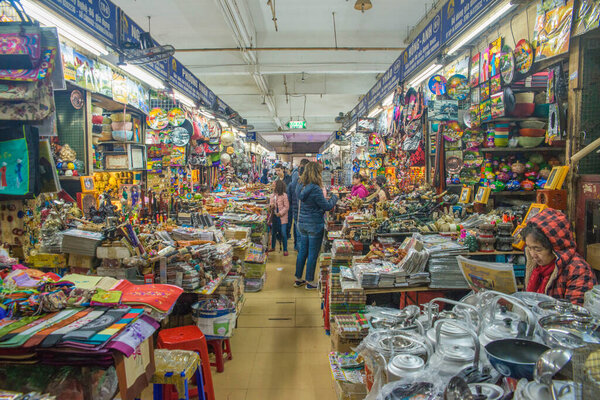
[523, 56]
[453, 165]
[176, 116]
[179, 136]
[458, 87]
[437, 85]
[507, 65]
[77, 99]
[157, 119]
[230, 150]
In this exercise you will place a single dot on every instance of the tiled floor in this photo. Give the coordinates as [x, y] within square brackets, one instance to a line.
[279, 348]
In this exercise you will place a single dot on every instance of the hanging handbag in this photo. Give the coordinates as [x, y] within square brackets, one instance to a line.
[19, 161]
[36, 103]
[20, 39]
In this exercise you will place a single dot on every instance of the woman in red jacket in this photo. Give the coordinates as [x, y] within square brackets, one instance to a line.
[281, 206]
[553, 265]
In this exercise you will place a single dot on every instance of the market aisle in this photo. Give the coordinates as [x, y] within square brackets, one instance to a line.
[280, 348]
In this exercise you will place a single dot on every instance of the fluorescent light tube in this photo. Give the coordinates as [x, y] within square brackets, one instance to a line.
[183, 99]
[224, 124]
[432, 69]
[375, 112]
[206, 114]
[388, 100]
[65, 28]
[493, 17]
[144, 76]
[352, 128]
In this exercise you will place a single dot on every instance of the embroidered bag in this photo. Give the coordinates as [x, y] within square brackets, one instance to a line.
[20, 37]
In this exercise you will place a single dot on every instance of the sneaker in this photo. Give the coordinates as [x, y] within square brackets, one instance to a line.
[285, 253]
[298, 283]
[310, 287]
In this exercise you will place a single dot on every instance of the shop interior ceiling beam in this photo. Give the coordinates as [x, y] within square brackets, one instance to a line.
[282, 69]
[243, 30]
[294, 49]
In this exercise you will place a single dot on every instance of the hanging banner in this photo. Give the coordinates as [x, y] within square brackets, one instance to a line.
[184, 80]
[98, 17]
[425, 45]
[362, 110]
[457, 14]
[386, 84]
[251, 137]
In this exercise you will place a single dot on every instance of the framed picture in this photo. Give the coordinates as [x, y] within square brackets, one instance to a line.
[483, 195]
[86, 201]
[518, 240]
[557, 178]
[465, 195]
[366, 125]
[534, 210]
[87, 184]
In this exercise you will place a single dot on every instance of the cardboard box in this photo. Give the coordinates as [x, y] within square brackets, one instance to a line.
[113, 252]
[593, 255]
[350, 391]
[79, 261]
[47, 261]
[339, 344]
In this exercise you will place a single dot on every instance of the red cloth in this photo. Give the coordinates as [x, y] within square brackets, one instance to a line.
[540, 277]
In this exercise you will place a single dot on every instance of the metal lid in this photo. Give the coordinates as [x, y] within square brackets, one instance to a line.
[407, 362]
[457, 353]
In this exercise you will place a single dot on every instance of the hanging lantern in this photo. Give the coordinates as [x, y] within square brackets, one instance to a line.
[363, 5]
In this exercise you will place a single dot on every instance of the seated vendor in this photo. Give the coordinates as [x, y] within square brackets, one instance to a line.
[358, 188]
[553, 265]
[381, 191]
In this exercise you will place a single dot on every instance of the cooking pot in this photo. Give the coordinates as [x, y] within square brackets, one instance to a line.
[463, 311]
[503, 324]
[568, 331]
[559, 306]
[391, 342]
[490, 391]
[515, 358]
[451, 357]
[404, 366]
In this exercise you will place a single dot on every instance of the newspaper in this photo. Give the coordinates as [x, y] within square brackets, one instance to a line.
[488, 275]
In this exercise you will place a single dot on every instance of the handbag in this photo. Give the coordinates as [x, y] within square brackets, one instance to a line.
[36, 103]
[19, 162]
[20, 40]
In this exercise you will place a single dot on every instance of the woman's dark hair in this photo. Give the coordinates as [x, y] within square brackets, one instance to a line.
[359, 177]
[536, 234]
[381, 181]
[280, 187]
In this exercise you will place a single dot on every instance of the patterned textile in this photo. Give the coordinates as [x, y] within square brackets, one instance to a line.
[573, 276]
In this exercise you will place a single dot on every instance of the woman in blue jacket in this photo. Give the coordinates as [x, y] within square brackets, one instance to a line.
[311, 222]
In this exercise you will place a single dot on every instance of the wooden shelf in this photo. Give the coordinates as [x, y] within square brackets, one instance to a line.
[120, 170]
[119, 142]
[407, 289]
[520, 149]
[514, 119]
[494, 253]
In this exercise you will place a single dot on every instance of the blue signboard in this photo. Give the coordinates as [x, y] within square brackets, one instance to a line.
[184, 80]
[457, 14]
[99, 17]
[362, 110]
[251, 137]
[207, 96]
[425, 45]
[386, 84]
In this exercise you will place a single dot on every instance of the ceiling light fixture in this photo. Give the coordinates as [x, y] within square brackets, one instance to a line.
[493, 17]
[224, 124]
[206, 114]
[388, 100]
[363, 5]
[432, 69]
[144, 76]
[375, 112]
[183, 99]
[65, 29]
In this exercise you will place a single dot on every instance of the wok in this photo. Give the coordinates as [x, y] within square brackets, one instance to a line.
[515, 358]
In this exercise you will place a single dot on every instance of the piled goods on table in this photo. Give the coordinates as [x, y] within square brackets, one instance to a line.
[254, 268]
[352, 326]
[345, 301]
[215, 317]
[442, 264]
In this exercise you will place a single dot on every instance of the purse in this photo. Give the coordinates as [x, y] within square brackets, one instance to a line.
[36, 103]
[20, 40]
[19, 162]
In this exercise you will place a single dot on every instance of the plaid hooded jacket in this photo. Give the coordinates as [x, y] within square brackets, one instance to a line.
[572, 276]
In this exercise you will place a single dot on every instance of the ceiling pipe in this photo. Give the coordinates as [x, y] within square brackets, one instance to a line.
[236, 49]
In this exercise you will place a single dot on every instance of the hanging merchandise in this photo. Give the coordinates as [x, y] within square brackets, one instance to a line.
[176, 116]
[413, 136]
[437, 85]
[524, 55]
[552, 29]
[157, 119]
[587, 17]
[227, 138]
[458, 87]
[19, 155]
[507, 65]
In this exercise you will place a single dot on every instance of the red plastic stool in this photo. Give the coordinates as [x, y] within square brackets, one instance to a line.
[188, 338]
[220, 347]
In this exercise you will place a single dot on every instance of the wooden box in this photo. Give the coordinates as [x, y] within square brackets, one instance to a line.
[556, 199]
[80, 261]
[47, 261]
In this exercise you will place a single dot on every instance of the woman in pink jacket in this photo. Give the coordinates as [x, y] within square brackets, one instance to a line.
[280, 205]
[358, 189]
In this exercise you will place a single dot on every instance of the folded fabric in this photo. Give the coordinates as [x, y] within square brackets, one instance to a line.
[158, 296]
[106, 128]
[106, 334]
[97, 119]
[38, 337]
[99, 324]
[22, 337]
[82, 281]
[57, 335]
[129, 340]
[24, 323]
[97, 129]
[122, 126]
[107, 298]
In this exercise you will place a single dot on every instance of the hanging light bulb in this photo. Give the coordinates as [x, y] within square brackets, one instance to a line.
[362, 5]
